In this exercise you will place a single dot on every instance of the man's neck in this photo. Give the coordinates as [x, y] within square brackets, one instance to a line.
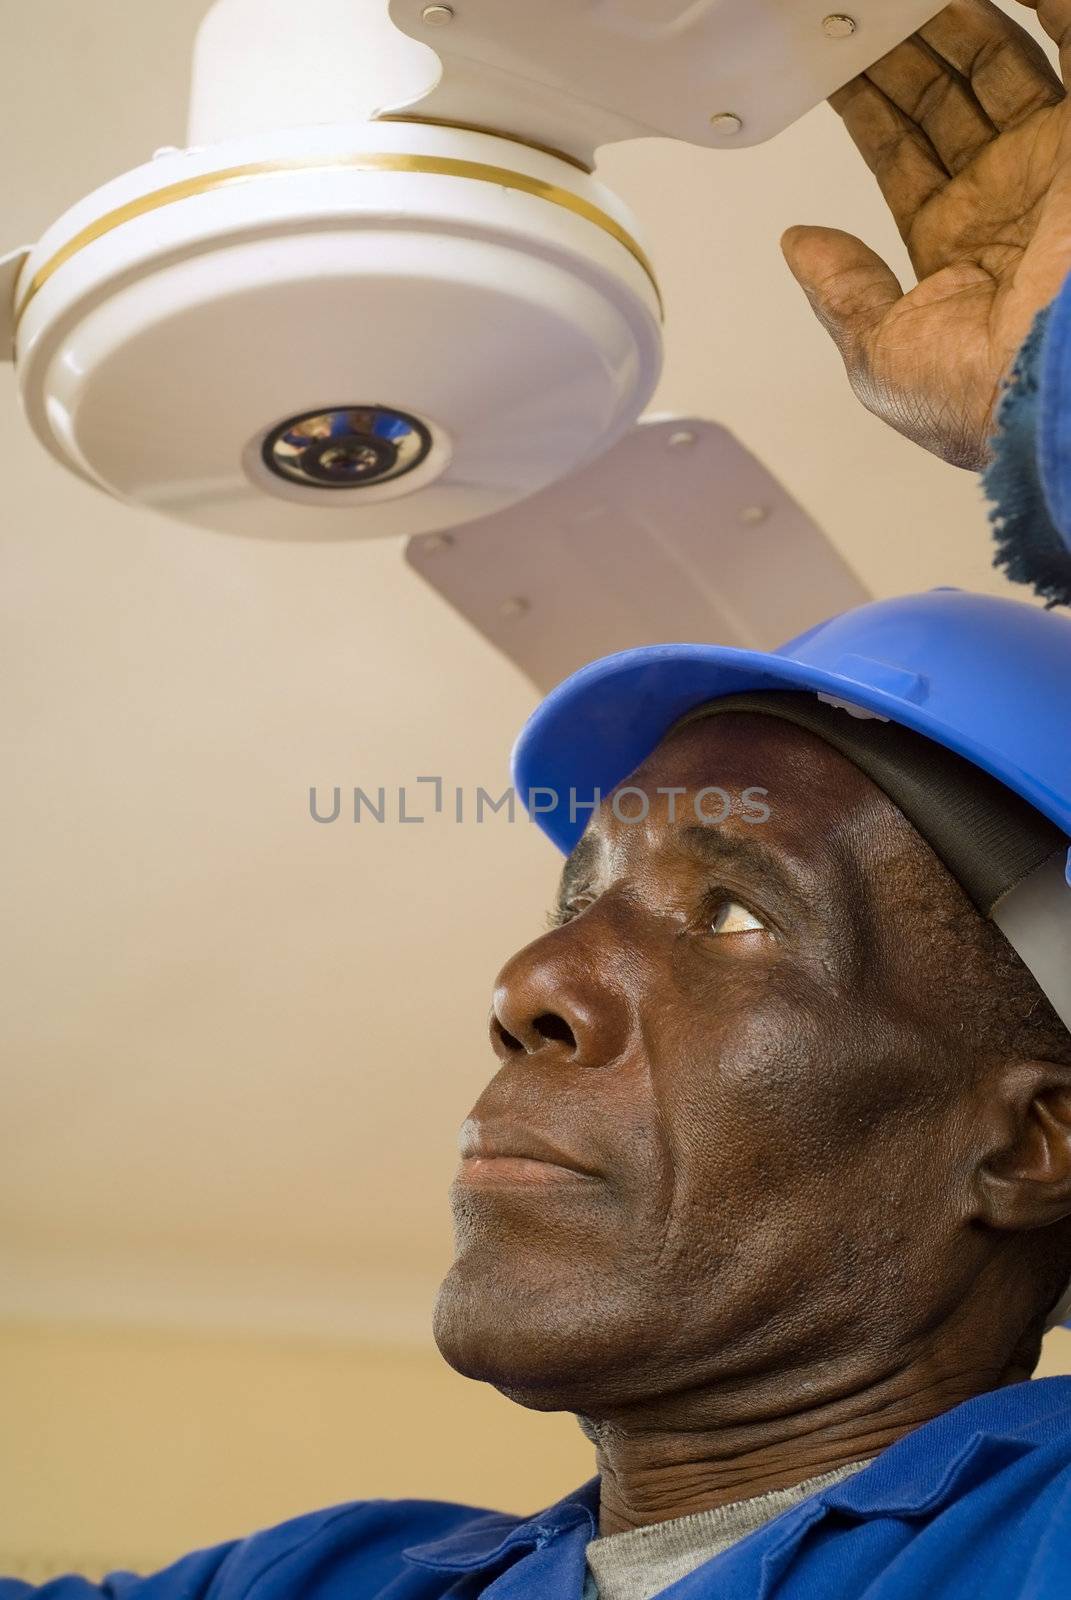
[653, 1474]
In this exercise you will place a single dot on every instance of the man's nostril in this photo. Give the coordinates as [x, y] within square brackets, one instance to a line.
[547, 1028]
[551, 1026]
[505, 1038]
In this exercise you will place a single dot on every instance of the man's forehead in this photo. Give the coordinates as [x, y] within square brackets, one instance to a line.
[730, 741]
[737, 786]
[742, 752]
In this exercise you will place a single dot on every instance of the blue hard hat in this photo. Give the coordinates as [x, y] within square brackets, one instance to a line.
[989, 679]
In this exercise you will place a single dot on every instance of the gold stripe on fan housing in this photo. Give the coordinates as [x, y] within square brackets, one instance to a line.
[342, 279]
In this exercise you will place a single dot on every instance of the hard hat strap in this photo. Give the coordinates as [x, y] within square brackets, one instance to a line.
[1035, 918]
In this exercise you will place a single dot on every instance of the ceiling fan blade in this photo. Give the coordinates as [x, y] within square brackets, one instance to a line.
[677, 535]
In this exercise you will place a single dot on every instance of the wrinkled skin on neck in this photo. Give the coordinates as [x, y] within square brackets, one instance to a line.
[779, 1265]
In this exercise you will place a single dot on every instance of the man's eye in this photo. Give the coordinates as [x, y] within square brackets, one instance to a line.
[731, 917]
[569, 909]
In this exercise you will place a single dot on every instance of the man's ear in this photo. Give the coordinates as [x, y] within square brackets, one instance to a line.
[1024, 1181]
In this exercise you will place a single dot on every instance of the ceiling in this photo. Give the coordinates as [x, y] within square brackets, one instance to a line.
[237, 1045]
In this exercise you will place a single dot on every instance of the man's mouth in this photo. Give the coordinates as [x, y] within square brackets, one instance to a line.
[480, 1171]
[494, 1152]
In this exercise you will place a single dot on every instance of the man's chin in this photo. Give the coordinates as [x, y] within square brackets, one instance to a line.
[527, 1339]
[484, 1330]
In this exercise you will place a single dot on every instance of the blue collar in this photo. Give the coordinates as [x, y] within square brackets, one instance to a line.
[937, 1463]
[917, 1476]
[489, 1537]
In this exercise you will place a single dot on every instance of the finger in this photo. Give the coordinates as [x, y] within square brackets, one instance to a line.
[1008, 71]
[850, 288]
[1055, 18]
[897, 151]
[932, 94]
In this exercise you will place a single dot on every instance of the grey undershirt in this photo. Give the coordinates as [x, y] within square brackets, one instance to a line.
[643, 1562]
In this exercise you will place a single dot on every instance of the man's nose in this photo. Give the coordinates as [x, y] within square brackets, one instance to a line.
[552, 999]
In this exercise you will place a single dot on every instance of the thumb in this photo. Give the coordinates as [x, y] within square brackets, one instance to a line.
[850, 288]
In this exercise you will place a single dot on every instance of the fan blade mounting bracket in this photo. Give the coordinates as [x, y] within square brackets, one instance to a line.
[577, 74]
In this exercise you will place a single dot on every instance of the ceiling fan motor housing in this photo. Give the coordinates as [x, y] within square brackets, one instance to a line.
[334, 329]
[381, 292]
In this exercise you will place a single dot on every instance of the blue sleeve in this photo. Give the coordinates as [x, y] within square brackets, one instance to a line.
[1028, 479]
[191, 1578]
[1054, 412]
[342, 1535]
[348, 1552]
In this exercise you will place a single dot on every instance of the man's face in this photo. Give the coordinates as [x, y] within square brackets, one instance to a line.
[735, 1032]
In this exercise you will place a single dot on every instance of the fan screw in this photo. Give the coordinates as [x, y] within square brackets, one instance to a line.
[726, 122]
[838, 26]
[438, 16]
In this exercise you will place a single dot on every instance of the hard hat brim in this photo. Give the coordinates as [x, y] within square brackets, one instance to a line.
[599, 725]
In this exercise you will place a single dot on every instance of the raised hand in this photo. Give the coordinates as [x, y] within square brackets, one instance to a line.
[967, 130]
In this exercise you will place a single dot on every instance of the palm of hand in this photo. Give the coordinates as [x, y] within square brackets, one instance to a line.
[967, 130]
[990, 249]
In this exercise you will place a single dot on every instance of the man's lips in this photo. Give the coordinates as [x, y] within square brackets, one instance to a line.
[503, 1152]
[477, 1171]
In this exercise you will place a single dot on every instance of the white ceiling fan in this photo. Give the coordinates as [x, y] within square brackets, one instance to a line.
[383, 292]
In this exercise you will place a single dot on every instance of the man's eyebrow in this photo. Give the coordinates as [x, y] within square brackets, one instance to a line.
[577, 868]
[792, 878]
[795, 880]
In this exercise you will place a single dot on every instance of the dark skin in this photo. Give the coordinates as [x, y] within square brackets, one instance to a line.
[810, 1219]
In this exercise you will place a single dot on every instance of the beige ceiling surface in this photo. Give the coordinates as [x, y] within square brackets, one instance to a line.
[236, 1044]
